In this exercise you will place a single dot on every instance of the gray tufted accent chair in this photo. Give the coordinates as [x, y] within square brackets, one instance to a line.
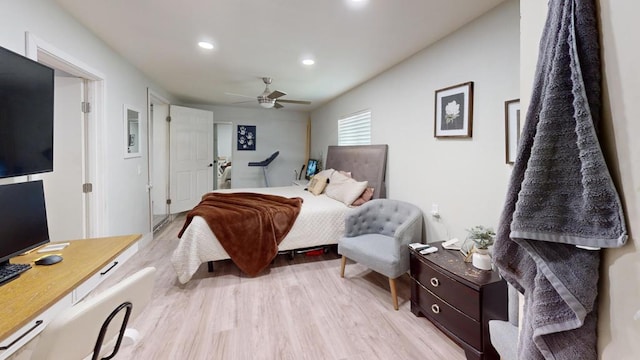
[377, 234]
[504, 334]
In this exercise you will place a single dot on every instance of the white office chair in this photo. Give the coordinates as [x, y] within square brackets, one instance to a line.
[80, 331]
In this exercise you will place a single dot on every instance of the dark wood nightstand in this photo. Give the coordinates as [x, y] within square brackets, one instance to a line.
[458, 298]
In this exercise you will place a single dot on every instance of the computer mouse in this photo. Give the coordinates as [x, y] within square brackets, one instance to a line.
[49, 260]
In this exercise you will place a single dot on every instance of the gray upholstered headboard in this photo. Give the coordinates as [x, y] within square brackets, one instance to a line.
[365, 162]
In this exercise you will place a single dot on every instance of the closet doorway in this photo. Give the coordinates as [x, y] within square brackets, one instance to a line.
[222, 151]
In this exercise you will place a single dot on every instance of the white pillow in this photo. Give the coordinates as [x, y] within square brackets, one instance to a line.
[325, 173]
[347, 191]
[337, 178]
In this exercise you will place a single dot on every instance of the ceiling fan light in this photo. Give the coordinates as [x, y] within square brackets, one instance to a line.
[266, 102]
[308, 62]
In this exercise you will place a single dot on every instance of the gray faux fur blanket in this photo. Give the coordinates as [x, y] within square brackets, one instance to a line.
[560, 194]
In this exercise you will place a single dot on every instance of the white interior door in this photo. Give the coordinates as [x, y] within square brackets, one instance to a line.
[66, 212]
[191, 157]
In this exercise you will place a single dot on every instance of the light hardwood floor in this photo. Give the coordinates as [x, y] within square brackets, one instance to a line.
[298, 309]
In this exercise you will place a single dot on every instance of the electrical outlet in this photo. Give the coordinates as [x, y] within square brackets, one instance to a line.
[435, 211]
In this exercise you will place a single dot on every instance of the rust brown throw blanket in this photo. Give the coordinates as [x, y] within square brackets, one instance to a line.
[249, 226]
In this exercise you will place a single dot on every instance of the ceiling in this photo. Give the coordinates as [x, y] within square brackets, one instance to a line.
[350, 41]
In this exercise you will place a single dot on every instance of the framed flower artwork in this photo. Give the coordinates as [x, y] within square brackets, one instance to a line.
[512, 129]
[454, 111]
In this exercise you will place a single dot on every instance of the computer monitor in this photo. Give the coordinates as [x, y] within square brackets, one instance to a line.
[312, 168]
[23, 218]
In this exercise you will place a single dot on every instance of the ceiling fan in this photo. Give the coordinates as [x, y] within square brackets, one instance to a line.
[271, 99]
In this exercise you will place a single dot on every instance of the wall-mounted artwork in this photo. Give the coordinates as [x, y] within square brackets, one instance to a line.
[454, 111]
[246, 137]
[131, 131]
[512, 129]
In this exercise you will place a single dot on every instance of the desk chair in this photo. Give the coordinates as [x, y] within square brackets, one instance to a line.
[264, 163]
[377, 235]
[80, 330]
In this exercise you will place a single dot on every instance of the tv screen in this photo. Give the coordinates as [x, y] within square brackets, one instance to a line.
[26, 115]
[23, 218]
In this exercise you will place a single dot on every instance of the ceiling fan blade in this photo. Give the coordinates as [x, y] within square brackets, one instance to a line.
[277, 106]
[303, 102]
[232, 94]
[276, 94]
[243, 102]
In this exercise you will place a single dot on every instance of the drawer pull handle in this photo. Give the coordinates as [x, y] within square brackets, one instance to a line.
[435, 282]
[37, 323]
[109, 269]
[435, 308]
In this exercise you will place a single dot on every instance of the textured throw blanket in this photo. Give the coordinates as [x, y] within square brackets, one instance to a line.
[560, 194]
[249, 226]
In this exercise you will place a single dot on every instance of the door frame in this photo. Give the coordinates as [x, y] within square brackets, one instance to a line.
[94, 163]
[155, 98]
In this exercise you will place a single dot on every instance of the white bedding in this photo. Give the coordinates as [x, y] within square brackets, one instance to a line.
[320, 222]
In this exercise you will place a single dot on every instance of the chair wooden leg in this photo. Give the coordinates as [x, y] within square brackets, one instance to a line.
[394, 293]
[344, 262]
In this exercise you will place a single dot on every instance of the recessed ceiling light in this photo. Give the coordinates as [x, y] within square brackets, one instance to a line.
[205, 45]
[357, 3]
[308, 62]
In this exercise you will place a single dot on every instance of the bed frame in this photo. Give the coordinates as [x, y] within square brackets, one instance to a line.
[365, 162]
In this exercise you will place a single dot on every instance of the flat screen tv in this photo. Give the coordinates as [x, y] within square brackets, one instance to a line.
[23, 218]
[26, 115]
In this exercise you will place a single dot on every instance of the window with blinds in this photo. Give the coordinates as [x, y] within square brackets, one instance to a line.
[355, 129]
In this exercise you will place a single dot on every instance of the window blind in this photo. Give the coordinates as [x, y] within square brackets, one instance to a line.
[355, 129]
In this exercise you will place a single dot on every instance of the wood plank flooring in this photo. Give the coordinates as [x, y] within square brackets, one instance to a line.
[298, 309]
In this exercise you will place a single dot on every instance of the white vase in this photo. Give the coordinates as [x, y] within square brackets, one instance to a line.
[481, 259]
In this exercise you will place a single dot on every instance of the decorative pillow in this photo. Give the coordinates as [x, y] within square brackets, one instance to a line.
[337, 178]
[345, 173]
[346, 192]
[317, 184]
[326, 173]
[366, 195]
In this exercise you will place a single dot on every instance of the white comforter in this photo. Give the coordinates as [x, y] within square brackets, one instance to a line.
[320, 222]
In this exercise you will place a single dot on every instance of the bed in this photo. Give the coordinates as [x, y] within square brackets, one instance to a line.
[320, 221]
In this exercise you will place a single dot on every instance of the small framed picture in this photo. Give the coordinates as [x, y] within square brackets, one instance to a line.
[512, 129]
[247, 137]
[454, 111]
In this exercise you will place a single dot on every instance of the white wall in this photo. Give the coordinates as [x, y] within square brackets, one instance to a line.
[467, 178]
[275, 130]
[124, 180]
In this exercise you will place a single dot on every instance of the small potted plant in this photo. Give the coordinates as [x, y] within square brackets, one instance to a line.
[482, 238]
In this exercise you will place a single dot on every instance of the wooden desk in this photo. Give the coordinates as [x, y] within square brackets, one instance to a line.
[40, 287]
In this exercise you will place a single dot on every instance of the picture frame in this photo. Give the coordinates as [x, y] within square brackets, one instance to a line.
[454, 111]
[246, 137]
[512, 129]
[132, 131]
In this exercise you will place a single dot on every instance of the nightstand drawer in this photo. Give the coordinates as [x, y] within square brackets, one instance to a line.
[437, 310]
[461, 297]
